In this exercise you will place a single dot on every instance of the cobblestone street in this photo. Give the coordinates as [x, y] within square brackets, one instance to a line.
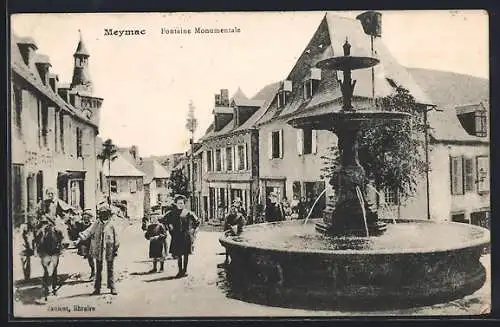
[201, 293]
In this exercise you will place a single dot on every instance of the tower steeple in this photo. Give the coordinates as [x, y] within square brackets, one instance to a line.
[81, 77]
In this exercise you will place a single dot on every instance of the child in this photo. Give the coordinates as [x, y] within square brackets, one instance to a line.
[84, 246]
[156, 234]
[104, 246]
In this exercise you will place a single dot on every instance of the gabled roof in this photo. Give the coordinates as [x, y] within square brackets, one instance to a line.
[152, 170]
[120, 167]
[261, 99]
[328, 41]
[32, 76]
[266, 95]
[450, 91]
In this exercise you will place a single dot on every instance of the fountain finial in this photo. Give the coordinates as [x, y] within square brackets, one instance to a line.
[347, 48]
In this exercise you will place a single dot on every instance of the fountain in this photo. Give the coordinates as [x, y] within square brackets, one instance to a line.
[353, 257]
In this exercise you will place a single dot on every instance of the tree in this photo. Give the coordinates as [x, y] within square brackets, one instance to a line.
[391, 152]
[108, 153]
[178, 183]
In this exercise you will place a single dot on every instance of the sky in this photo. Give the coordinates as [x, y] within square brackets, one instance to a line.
[147, 81]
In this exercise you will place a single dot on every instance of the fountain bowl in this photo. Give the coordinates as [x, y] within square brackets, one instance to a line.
[328, 120]
[415, 263]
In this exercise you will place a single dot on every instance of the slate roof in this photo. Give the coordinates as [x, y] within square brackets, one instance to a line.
[328, 41]
[33, 77]
[449, 91]
[152, 170]
[121, 167]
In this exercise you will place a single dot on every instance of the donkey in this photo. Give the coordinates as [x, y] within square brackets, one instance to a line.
[50, 239]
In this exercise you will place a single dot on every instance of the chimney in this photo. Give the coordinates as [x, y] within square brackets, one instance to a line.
[223, 113]
[27, 47]
[224, 94]
[43, 65]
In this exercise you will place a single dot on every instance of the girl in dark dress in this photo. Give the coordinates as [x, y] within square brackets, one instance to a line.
[156, 234]
[182, 225]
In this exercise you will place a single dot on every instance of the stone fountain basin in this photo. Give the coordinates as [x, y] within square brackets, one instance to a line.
[414, 263]
[326, 119]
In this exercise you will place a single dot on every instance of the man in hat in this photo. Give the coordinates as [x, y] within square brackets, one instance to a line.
[274, 210]
[104, 246]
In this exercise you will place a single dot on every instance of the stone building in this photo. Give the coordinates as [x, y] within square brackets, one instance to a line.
[291, 160]
[230, 151]
[458, 150]
[156, 191]
[53, 130]
[126, 185]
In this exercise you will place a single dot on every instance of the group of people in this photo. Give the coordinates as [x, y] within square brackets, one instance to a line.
[182, 225]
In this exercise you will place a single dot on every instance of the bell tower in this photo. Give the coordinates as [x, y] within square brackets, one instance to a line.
[81, 77]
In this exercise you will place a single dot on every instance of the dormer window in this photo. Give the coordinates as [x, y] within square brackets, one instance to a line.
[474, 119]
[311, 83]
[284, 93]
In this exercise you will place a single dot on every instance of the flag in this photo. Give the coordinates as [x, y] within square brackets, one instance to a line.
[371, 22]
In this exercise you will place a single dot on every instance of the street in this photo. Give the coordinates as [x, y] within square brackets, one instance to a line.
[201, 293]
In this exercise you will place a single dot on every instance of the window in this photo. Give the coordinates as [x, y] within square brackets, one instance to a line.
[61, 130]
[139, 184]
[132, 186]
[483, 175]
[43, 113]
[229, 159]
[209, 161]
[481, 123]
[310, 88]
[282, 98]
[391, 196]
[457, 181]
[17, 180]
[468, 174]
[56, 136]
[18, 107]
[218, 160]
[241, 157]
[79, 135]
[158, 198]
[306, 141]
[275, 144]
[114, 186]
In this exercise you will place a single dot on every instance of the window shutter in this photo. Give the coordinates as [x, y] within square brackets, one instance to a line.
[483, 174]
[246, 157]
[237, 154]
[223, 159]
[233, 154]
[270, 145]
[468, 164]
[281, 143]
[205, 161]
[314, 139]
[456, 176]
[300, 141]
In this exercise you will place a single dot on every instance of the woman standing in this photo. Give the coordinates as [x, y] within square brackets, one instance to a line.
[182, 225]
